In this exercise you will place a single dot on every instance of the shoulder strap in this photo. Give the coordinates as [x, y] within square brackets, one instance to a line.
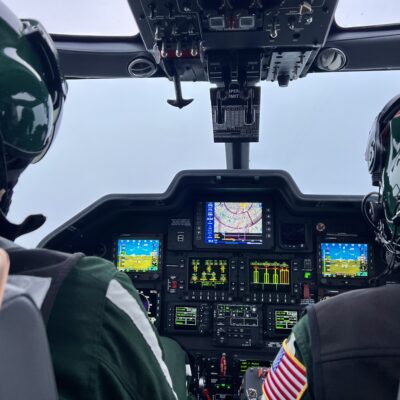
[44, 263]
[318, 384]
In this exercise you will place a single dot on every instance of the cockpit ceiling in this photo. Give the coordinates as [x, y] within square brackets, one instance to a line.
[98, 18]
[100, 39]
[114, 19]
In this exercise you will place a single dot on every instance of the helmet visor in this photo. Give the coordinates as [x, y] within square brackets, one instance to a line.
[34, 91]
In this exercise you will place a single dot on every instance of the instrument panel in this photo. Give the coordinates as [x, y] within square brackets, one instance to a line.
[225, 262]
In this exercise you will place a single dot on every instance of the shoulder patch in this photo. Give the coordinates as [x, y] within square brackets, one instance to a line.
[287, 378]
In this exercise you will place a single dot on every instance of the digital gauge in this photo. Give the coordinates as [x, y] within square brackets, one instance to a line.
[151, 302]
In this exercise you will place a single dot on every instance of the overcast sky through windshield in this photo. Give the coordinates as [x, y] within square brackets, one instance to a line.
[120, 136]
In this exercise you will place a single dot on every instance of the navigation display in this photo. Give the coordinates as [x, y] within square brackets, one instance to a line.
[185, 318]
[138, 255]
[234, 223]
[208, 274]
[344, 260]
[270, 276]
[285, 320]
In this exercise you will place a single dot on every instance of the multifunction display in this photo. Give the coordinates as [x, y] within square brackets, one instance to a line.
[285, 320]
[208, 273]
[185, 318]
[244, 365]
[234, 223]
[271, 276]
[138, 255]
[344, 260]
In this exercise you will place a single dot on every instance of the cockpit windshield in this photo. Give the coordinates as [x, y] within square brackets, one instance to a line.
[121, 136]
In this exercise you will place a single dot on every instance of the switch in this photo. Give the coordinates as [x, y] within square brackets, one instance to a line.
[305, 8]
[223, 365]
[306, 291]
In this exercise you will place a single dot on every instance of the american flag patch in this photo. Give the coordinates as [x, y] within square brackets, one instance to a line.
[287, 378]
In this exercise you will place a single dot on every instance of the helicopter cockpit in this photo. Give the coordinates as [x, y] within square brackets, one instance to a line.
[226, 261]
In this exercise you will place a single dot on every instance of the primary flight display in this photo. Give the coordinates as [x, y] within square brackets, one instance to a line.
[138, 255]
[344, 260]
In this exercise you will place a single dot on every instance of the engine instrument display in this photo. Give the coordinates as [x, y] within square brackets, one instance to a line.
[285, 320]
[234, 223]
[185, 318]
[206, 274]
[271, 276]
[344, 260]
[138, 255]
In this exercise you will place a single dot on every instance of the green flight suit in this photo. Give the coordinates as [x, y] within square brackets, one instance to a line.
[102, 343]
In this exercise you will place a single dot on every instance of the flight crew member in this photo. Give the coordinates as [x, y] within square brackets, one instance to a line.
[348, 347]
[102, 343]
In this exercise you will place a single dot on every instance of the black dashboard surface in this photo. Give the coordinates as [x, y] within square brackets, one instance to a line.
[235, 256]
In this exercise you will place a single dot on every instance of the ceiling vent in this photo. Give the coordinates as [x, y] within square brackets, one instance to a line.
[142, 67]
[331, 60]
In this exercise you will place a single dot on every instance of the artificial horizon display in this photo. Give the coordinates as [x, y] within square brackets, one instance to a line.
[344, 260]
[138, 255]
[236, 223]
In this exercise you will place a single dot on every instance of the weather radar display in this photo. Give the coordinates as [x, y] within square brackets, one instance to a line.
[233, 223]
[344, 260]
[138, 255]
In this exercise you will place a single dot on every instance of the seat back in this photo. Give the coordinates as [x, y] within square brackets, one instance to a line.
[26, 371]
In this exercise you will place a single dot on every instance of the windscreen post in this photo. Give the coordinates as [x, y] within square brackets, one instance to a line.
[237, 155]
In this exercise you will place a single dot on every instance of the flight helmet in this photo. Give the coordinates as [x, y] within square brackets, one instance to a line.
[382, 209]
[32, 94]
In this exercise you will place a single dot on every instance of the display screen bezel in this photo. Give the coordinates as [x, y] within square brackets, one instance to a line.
[284, 331]
[268, 227]
[290, 246]
[145, 275]
[186, 328]
[341, 280]
[271, 320]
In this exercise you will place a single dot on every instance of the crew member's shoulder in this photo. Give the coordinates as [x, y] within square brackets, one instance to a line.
[96, 268]
[359, 296]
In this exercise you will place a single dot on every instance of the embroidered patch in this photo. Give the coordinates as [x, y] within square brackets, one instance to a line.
[287, 378]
